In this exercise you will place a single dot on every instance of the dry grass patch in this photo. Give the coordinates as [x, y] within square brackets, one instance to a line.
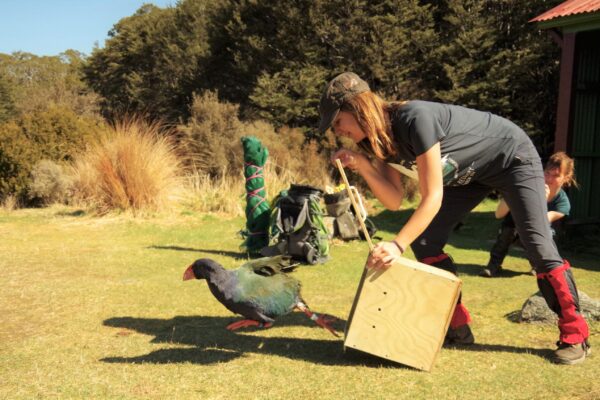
[226, 194]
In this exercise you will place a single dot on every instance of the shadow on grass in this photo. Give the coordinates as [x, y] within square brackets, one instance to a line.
[208, 342]
[211, 343]
[482, 347]
[75, 213]
[234, 254]
[475, 269]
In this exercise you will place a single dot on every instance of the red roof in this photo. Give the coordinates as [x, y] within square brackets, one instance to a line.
[569, 7]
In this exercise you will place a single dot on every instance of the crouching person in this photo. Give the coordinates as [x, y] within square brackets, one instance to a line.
[559, 173]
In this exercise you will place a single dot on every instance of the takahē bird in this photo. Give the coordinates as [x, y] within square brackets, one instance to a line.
[259, 290]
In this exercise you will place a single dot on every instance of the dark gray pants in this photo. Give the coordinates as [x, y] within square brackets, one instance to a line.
[522, 186]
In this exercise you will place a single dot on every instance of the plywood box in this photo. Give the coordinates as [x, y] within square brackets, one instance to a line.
[402, 314]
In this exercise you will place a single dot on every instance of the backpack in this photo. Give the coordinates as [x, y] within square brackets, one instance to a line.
[297, 227]
[345, 223]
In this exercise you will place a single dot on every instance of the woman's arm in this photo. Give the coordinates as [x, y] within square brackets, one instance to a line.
[431, 188]
[554, 216]
[432, 191]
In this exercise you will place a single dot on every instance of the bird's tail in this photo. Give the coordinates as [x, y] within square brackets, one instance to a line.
[323, 320]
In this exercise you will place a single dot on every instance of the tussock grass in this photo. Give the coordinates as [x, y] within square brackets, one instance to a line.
[9, 203]
[204, 193]
[226, 195]
[96, 308]
[134, 166]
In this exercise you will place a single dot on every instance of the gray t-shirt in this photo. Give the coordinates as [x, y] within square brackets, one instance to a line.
[474, 144]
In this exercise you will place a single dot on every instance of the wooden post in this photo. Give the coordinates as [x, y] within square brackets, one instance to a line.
[565, 92]
[354, 203]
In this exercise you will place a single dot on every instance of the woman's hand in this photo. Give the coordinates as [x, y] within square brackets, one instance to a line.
[349, 158]
[383, 255]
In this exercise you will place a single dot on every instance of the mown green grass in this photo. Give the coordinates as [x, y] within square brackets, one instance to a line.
[96, 308]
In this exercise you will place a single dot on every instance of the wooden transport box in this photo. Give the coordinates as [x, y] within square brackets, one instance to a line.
[402, 314]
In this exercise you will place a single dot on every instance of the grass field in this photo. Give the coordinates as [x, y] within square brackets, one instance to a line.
[96, 308]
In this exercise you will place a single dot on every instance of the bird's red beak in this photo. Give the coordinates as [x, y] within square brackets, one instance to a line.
[188, 274]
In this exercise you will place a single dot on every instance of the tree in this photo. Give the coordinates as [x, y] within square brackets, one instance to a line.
[152, 61]
[275, 59]
[7, 104]
[40, 82]
[495, 60]
[289, 97]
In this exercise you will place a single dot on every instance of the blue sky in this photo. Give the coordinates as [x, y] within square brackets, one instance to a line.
[49, 27]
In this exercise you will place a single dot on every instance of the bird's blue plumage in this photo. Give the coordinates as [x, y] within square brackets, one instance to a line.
[258, 290]
[274, 295]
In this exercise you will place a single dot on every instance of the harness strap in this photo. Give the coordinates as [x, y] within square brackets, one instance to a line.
[258, 173]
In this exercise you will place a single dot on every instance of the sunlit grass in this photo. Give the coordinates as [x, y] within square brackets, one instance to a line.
[96, 308]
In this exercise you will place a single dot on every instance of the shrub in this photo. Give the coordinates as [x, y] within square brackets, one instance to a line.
[54, 134]
[290, 156]
[133, 166]
[211, 139]
[49, 183]
[211, 144]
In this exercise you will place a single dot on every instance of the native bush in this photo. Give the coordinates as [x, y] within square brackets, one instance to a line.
[35, 83]
[49, 183]
[211, 137]
[7, 103]
[56, 134]
[291, 155]
[212, 150]
[211, 144]
[133, 166]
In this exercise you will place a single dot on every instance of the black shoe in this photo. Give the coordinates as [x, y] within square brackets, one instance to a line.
[569, 354]
[491, 271]
[459, 336]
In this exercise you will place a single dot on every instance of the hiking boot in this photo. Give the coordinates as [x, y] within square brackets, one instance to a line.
[460, 336]
[569, 354]
[491, 271]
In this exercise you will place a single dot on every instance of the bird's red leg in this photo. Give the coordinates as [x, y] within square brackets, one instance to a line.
[244, 323]
[323, 320]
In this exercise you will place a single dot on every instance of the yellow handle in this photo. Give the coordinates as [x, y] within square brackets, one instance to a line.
[354, 203]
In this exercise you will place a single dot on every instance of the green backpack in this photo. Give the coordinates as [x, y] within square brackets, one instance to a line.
[297, 227]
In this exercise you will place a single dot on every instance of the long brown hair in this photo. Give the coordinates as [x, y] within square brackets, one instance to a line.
[371, 113]
[565, 165]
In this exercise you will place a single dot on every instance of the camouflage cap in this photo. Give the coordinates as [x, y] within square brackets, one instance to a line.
[341, 89]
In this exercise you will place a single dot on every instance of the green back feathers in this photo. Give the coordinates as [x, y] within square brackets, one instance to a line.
[264, 283]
